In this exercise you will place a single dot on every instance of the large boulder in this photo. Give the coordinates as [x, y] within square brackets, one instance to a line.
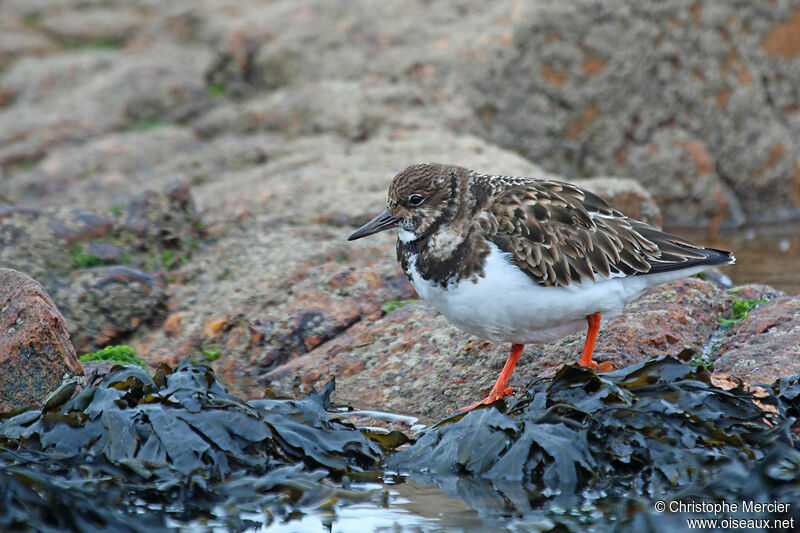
[36, 355]
[696, 100]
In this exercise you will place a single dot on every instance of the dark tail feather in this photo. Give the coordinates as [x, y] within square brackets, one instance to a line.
[678, 253]
[718, 257]
[711, 257]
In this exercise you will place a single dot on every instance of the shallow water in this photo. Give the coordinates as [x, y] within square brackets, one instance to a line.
[405, 507]
[767, 254]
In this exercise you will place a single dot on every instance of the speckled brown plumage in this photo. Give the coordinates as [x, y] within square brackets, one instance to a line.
[557, 233]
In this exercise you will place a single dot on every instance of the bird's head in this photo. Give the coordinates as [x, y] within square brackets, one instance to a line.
[418, 197]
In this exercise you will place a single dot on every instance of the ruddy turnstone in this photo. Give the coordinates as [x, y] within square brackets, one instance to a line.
[524, 260]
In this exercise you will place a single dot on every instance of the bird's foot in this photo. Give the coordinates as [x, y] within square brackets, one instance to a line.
[604, 366]
[491, 398]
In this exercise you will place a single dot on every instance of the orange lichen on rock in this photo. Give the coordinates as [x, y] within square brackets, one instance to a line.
[722, 98]
[703, 163]
[593, 65]
[553, 75]
[784, 39]
[213, 326]
[775, 156]
[173, 325]
[578, 125]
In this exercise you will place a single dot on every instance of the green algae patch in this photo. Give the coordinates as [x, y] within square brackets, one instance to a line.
[81, 259]
[588, 451]
[391, 305]
[740, 310]
[216, 90]
[210, 355]
[146, 124]
[121, 355]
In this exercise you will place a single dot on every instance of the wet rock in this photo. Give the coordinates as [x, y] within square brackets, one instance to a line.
[36, 355]
[79, 226]
[172, 324]
[394, 363]
[162, 220]
[105, 252]
[765, 345]
[756, 291]
[413, 361]
[29, 241]
[672, 94]
[105, 303]
[98, 368]
[71, 173]
[284, 314]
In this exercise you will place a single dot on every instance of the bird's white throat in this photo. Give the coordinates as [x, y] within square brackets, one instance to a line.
[405, 236]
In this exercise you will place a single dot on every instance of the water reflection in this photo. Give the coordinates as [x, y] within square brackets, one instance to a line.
[406, 507]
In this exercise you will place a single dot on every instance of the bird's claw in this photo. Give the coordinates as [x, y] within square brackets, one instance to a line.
[491, 398]
[604, 366]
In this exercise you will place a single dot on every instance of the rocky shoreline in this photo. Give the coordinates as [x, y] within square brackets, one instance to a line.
[177, 181]
[181, 179]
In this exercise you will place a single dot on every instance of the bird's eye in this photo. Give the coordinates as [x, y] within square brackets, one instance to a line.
[415, 199]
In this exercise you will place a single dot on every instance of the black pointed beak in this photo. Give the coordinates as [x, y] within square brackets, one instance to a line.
[381, 222]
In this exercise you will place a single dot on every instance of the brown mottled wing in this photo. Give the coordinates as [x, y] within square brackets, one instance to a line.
[561, 234]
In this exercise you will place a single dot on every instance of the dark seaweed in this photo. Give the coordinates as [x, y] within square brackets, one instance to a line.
[578, 452]
[131, 450]
[606, 447]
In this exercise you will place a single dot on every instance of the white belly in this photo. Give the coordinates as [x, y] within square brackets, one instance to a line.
[505, 305]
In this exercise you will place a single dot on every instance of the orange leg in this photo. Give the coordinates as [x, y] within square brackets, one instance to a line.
[591, 336]
[500, 390]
